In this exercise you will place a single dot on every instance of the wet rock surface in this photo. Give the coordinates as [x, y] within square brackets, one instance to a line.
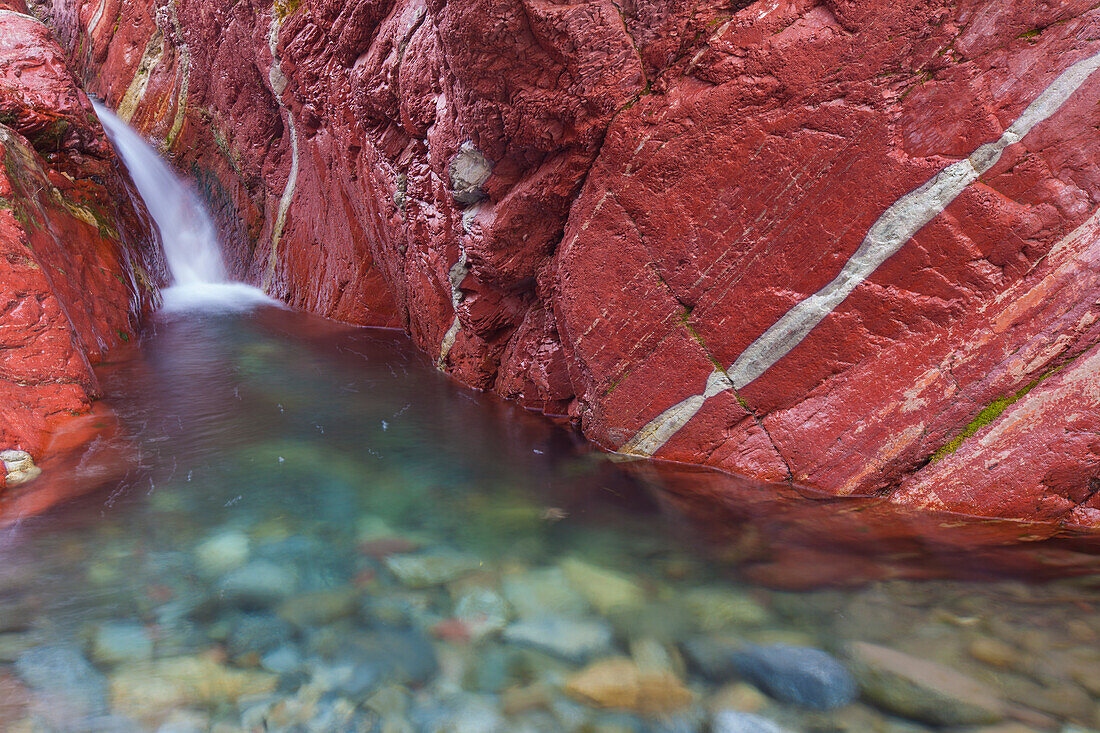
[603, 211]
[78, 263]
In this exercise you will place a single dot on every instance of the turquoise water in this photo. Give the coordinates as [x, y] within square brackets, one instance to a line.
[308, 528]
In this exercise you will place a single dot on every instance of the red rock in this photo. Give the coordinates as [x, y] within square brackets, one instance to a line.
[364, 578]
[665, 183]
[451, 629]
[384, 546]
[76, 258]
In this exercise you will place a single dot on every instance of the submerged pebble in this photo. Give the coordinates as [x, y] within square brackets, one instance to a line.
[116, 642]
[618, 682]
[923, 690]
[423, 571]
[260, 583]
[223, 552]
[67, 686]
[800, 675]
[576, 640]
[733, 721]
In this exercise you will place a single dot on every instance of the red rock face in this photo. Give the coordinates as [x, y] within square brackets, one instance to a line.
[76, 258]
[846, 245]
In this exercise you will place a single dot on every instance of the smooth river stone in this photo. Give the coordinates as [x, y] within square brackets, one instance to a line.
[64, 681]
[607, 590]
[734, 721]
[621, 684]
[116, 642]
[715, 609]
[257, 584]
[424, 571]
[923, 690]
[801, 675]
[574, 640]
[223, 552]
[544, 592]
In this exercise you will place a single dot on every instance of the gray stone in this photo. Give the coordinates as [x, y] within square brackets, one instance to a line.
[576, 640]
[692, 720]
[65, 681]
[258, 584]
[469, 170]
[351, 675]
[256, 633]
[482, 611]
[424, 571]
[544, 592]
[118, 641]
[923, 690]
[537, 721]
[496, 669]
[284, 659]
[460, 713]
[733, 721]
[398, 610]
[713, 657]
[401, 656]
[223, 552]
[714, 609]
[185, 721]
[801, 675]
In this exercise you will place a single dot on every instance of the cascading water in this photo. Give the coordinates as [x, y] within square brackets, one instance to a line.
[190, 242]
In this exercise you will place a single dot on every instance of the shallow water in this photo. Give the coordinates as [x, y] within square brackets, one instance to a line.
[307, 528]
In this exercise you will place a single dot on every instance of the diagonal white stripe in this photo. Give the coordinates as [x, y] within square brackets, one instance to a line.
[897, 225]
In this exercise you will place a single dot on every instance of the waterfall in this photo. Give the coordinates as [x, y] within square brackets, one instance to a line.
[190, 242]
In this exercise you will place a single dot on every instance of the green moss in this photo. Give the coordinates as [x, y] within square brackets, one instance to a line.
[20, 212]
[699, 339]
[988, 414]
[51, 138]
[123, 335]
[284, 8]
[211, 189]
[1028, 35]
[644, 92]
[741, 401]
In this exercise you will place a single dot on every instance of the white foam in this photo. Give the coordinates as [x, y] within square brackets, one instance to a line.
[227, 296]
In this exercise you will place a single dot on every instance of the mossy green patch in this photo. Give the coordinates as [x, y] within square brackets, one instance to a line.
[284, 8]
[52, 136]
[20, 212]
[988, 415]
[699, 339]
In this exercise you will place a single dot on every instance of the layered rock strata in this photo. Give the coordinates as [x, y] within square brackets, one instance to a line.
[845, 244]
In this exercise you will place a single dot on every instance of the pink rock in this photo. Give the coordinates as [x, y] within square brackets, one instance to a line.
[672, 190]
